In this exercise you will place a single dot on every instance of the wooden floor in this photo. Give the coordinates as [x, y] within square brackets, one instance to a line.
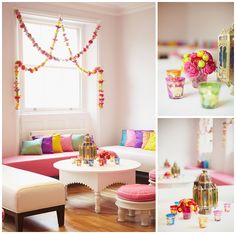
[80, 215]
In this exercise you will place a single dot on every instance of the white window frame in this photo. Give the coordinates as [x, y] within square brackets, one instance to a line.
[49, 21]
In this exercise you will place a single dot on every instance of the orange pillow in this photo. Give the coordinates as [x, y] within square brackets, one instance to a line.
[146, 136]
[56, 144]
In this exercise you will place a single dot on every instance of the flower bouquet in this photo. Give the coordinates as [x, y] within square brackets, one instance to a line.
[186, 206]
[198, 65]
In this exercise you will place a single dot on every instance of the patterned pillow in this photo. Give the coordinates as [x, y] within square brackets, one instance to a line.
[66, 143]
[56, 143]
[32, 147]
[131, 138]
[151, 144]
[46, 143]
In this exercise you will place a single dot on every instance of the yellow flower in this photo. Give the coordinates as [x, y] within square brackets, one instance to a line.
[200, 53]
[201, 64]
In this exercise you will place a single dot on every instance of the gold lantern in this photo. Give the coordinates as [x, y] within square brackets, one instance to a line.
[226, 56]
[175, 170]
[88, 150]
[205, 193]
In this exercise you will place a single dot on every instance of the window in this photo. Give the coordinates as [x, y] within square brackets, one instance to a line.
[57, 85]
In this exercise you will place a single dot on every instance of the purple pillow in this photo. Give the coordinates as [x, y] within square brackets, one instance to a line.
[139, 138]
[46, 144]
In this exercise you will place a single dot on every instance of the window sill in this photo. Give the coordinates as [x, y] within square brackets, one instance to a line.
[56, 112]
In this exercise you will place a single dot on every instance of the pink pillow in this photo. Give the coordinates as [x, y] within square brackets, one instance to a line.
[130, 138]
[66, 143]
[145, 138]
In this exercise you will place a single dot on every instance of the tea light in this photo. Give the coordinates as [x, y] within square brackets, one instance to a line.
[202, 219]
[217, 214]
[175, 87]
[91, 162]
[117, 161]
[170, 219]
[173, 73]
[209, 94]
[227, 207]
[187, 213]
[173, 209]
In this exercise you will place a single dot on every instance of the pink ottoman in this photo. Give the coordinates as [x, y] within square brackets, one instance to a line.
[152, 177]
[136, 197]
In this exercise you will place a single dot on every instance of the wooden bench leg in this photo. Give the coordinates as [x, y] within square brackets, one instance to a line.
[61, 215]
[121, 214]
[144, 218]
[19, 220]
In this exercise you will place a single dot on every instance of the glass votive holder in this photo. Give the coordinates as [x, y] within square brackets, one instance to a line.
[209, 94]
[117, 161]
[175, 87]
[173, 209]
[202, 219]
[170, 219]
[91, 162]
[78, 161]
[101, 161]
[176, 203]
[187, 212]
[227, 207]
[173, 72]
[217, 214]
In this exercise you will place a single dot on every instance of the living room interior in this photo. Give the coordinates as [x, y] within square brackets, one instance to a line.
[189, 148]
[103, 92]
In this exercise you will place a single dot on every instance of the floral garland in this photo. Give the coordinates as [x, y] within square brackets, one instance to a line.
[20, 66]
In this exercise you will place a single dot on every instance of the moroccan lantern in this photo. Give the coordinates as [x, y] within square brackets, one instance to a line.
[226, 56]
[175, 170]
[88, 150]
[205, 193]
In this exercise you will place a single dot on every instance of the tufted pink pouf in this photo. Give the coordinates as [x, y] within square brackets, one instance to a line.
[136, 197]
[152, 175]
[136, 192]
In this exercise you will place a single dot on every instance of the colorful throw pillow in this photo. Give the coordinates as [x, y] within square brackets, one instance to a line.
[139, 138]
[146, 135]
[151, 144]
[32, 147]
[56, 143]
[77, 139]
[66, 143]
[131, 138]
[123, 137]
[46, 143]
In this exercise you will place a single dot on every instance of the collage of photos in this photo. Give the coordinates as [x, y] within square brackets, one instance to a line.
[117, 116]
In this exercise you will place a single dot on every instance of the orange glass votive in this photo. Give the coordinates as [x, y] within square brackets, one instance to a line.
[173, 73]
[202, 221]
[173, 209]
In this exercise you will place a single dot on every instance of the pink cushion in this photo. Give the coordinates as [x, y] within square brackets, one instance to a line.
[220, 178]
[152, 175]
[42, 164]
[137, 192]
[66, 143]
[130, 138]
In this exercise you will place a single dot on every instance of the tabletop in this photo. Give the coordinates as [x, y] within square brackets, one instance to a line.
[190, 104]
[125, 165]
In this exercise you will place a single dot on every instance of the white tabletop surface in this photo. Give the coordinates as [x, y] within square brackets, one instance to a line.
[190, 104]
[167, 197]
[125, 164]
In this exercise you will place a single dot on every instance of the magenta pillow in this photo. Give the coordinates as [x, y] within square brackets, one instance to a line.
[130, 138]
[66, 143]
[46, 143]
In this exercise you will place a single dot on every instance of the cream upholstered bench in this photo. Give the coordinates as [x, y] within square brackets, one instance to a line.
[136, 197]
[26, 193]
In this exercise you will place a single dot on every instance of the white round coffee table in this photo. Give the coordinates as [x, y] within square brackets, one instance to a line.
[97, 177]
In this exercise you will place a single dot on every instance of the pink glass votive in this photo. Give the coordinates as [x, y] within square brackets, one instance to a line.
[227, 207]
[175, 87]
[187, 213]
[217, 214]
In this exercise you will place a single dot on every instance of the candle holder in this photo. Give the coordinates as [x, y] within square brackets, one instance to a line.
[173, 72]
[175, 87]
[176, 203]
[173, 209]
[227, 207]
[117, 161]
[91, 162]
[101, 161]
[217, 214]
[187, 213]
[170, 219]
[209, 94]
[202, 219]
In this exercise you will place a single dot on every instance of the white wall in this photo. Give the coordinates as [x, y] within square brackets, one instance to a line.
[136, 70]
[177, 141]
[193, 21]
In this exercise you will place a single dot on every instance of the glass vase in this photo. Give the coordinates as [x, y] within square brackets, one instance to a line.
[175, 87]
[196, 80]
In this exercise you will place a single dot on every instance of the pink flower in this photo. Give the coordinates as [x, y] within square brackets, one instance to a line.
[209, 56]
[191, 69]
[209, 68]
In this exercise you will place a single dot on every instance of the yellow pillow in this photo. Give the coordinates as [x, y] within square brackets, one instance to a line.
[56, 144]
[151, 144]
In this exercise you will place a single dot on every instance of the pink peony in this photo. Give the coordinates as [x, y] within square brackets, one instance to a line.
[209, 68]
[191, 69]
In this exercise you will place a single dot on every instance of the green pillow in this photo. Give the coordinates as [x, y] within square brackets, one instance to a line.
[77, 139]
[32, 147]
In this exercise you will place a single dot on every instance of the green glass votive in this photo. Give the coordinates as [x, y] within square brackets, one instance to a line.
[209, 94]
